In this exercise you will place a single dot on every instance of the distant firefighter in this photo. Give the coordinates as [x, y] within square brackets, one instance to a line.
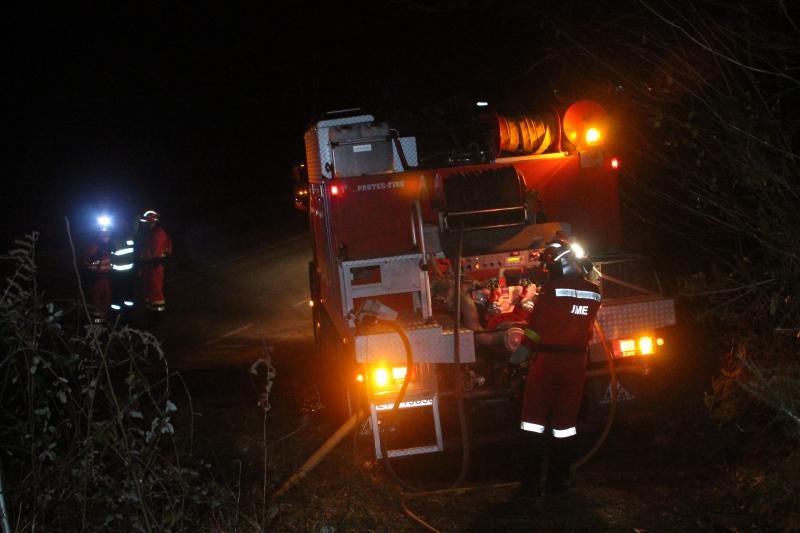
[155, 248]
[97, 266]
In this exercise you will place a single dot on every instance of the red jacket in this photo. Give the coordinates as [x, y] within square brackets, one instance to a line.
[156, 245]
[563, 315]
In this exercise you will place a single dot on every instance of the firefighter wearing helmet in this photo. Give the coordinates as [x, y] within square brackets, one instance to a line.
[558, 333]
[156, 247]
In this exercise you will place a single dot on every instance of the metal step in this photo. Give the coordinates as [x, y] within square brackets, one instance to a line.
[416, 450]
[432, 403]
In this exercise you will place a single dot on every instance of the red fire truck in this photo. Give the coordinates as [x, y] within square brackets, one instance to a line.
[422, 266]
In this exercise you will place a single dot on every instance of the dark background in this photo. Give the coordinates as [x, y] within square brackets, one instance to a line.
[198, 111]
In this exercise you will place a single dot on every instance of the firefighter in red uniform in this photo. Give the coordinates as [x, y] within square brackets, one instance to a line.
[155, 247]
[559, 331]
[97, 264]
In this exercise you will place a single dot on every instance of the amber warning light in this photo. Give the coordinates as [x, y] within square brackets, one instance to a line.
[586, 124]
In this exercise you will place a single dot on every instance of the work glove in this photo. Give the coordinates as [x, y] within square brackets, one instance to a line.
[514, 344]
[519, 342]
[513, 338]
[520, 355]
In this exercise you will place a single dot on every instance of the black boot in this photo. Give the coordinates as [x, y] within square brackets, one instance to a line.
[562, 455]
[531, 453]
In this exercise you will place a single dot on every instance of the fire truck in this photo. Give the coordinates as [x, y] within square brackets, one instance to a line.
[423, 266]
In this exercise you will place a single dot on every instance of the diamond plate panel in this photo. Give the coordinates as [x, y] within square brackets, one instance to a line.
[409, 146]
[429, 344]
[630, 319]
[318, 145]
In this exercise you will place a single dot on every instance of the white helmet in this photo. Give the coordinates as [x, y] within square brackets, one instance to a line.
[149, 216]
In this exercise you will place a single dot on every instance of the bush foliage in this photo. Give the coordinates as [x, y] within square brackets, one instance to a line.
[705, 95]
[86, 421]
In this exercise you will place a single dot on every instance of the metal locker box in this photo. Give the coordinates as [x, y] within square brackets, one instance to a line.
[361, 149]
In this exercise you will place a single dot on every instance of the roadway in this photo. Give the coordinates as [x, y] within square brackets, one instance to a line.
[222, 312]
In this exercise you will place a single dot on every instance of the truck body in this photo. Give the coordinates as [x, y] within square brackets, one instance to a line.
[420, 269]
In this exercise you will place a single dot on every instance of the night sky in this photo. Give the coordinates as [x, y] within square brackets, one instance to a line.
[199, 111]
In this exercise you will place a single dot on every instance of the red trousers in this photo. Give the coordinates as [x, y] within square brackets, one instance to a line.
[153, 283]
[554, 386]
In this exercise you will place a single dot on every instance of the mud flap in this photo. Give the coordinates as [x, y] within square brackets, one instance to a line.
[623, 395]
[632, 401]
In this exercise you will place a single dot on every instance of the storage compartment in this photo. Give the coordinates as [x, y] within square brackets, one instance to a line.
[361, 149]
[484, 198]
[372, 215]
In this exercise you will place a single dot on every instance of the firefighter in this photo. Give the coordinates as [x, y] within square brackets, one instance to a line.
[97, 265]
[155, 248]
[124, 277]
[558, 333]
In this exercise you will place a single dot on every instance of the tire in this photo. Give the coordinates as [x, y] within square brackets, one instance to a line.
[334, 369]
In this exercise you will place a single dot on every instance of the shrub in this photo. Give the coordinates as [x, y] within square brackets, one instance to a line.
[87, 426]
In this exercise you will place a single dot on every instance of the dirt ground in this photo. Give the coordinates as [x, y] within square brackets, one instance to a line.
[669, 473]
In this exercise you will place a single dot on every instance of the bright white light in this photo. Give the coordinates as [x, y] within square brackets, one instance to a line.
[104, 221]
[592, 135]
[381, 377]
[124, 251]
[115, 307]
[578, 250]
[122, 267]
[128, 243]
[128, 303]
[481, 103]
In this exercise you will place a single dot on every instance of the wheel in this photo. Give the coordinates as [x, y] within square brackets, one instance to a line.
[334, 369]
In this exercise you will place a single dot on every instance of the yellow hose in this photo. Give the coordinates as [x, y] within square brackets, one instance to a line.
[318, 455]
[352, 422]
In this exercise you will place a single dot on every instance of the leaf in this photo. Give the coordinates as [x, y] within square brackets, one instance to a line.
[136, 414]
[272, 512]
[171, 407]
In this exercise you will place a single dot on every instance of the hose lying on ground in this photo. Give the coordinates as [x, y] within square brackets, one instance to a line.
[352, 422]
[577, 464]
[456, 488]
[318, 455]
[613, 412]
